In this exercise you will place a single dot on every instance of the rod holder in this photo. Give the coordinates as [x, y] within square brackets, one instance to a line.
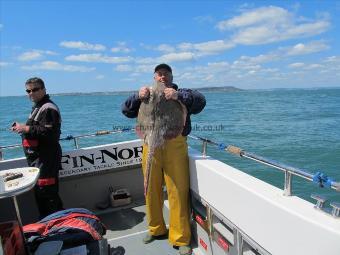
[335, 209]
[320, 201]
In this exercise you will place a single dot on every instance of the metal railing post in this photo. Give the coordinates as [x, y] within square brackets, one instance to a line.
[288, 184]
[204, 148]
[76, 142]
[1, 155]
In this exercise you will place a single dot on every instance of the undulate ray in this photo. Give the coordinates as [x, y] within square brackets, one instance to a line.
[158, 120]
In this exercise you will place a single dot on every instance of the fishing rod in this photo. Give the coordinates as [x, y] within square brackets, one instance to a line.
[319, 177]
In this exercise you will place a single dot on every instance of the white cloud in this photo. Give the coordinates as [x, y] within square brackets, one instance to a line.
[34, 55]
[146, 61]
[303, 49]
[3, 64]
[263, 58]
[307, 29]
[100, 77]
[296, 65]
[165, 48]
[247, 74]
[123, 68]
[261, 15]
[29, 56]
[258, 26]
[246, 62]
[313, 66]
[98, 58]
[206, 48]
[55, 66]
[82, 45]
[147, 65]
[271, 24]
[176, 57]
[218, 65]
[244, 65]
[121, 48]
[257, 35]
[332, 59]
[271, 70]
[144, 69]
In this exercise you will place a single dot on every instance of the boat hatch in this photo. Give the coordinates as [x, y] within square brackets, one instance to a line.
[217, 235]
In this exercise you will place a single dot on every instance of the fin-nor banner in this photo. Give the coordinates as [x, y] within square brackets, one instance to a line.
[100, 158]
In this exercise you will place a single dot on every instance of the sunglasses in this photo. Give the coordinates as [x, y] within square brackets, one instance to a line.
[32, 90]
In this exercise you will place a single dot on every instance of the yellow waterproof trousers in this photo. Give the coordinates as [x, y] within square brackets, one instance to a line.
[170, 163]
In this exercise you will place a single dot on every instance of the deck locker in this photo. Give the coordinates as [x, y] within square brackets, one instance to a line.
[200, 228]
[223, 237]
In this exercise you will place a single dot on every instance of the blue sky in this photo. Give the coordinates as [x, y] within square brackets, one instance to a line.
[85, 46]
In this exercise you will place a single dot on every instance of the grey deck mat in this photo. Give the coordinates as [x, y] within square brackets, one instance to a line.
[126, 228]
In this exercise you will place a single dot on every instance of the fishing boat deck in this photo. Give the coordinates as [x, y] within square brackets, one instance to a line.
[224, 218]
[126, 228]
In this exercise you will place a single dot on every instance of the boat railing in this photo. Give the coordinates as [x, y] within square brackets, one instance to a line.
[70, 138]
[289, 171]
[97, 133]
[320, 178]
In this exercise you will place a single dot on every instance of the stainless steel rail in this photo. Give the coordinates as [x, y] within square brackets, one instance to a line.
[70, 137]
[97, 133]
[288, 170]
[12, 146]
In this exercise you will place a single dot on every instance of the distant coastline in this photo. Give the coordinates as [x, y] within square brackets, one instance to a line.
[106, 93]
[224, 89]
[219, 89]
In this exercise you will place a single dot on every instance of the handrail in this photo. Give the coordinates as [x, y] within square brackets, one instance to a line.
[289, 171]
[97, 133]
[71, 137]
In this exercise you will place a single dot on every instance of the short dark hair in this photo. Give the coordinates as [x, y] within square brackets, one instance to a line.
[37, 81]
[163, 66]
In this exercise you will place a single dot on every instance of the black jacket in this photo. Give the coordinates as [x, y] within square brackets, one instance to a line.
[41, 143]
[192, 99]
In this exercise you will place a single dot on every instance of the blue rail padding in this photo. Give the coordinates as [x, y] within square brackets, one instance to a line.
[68, 137]
[316, 177]
[328, 181]
[322, 179]
[222, 146]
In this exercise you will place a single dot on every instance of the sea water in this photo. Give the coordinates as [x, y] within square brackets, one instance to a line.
[296, 127]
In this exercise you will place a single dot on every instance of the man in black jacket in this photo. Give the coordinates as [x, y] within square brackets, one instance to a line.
[40, 140]
[171, 163]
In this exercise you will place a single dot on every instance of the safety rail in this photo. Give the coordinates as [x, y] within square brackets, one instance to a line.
[71, 137]
[289, 171]
[318, 177]
[97, 133]
[12, 146]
